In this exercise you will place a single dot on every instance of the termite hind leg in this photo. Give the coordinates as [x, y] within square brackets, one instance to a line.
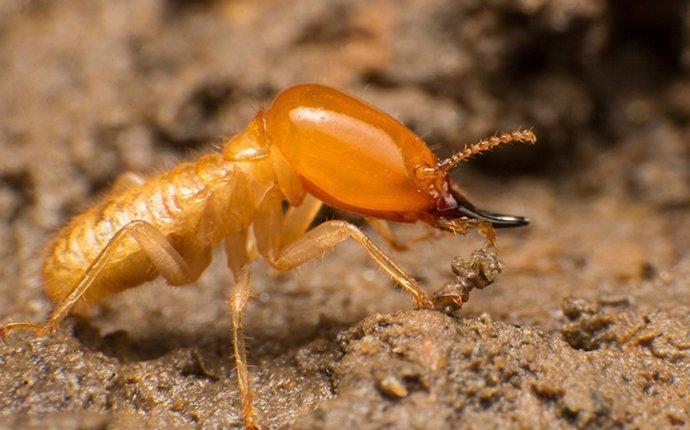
[155, 245]
[241, 292]
[327, 235]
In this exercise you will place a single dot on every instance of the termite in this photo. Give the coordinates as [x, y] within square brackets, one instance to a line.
[313, 145]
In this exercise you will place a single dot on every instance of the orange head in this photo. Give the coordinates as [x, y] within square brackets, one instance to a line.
[355, 157]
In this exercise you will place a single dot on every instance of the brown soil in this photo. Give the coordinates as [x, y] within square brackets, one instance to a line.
[587, 326]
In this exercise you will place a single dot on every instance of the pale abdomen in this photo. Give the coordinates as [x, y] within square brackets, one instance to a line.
[172, 202]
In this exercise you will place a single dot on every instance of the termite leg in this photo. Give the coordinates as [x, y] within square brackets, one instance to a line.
[297, 247]
[463, 225]
[314, 242]
[273, 230]
[298, 219]
[155, 245]
[428, 233]
[327, 235]
[238, 300]
[268, 223]
[236, 250]
[385, 231]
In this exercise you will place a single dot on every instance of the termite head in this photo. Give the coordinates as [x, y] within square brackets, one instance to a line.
[451, 202]
[355, 157]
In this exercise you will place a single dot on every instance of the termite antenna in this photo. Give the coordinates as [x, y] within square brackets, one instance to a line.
[525, 136]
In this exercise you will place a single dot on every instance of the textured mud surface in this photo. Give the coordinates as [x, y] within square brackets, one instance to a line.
[587, 326]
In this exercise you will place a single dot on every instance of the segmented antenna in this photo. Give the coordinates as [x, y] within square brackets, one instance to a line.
[525, 136]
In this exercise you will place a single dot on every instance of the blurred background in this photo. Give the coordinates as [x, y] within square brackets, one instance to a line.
[91, 89]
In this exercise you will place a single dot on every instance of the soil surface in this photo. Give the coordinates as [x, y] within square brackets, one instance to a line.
[587, 326]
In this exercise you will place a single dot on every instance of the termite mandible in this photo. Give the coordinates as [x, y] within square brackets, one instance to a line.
[313, 145]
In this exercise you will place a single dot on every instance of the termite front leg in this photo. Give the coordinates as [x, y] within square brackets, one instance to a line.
[298, 219]
[463, 225]
[274, 231]
[154, 244]
[329, 234]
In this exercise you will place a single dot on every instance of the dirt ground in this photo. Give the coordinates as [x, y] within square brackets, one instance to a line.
[588, 326]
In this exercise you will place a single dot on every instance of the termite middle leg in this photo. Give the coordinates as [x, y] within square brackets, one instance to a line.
[155, 245]
[329, 234]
